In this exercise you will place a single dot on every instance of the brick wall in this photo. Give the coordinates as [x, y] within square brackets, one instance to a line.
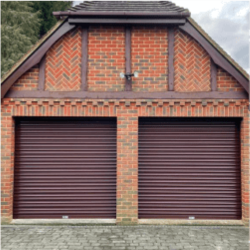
[191, 65]
[226, 82]
[127, 113]
[106, 58]
[28, 81]
[149, 53]
[63, 63]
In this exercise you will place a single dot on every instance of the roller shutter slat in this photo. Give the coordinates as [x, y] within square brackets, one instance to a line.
[65, 167]
[189, 167]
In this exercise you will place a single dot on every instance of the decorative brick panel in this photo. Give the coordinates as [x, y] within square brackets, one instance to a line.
[149, 55]
[63, 63]
[127, 113]
[225, 82]
[28, 81]
[191, 64]
[106, 58]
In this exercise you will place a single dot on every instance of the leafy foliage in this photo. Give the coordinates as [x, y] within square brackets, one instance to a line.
[19, 31]
[45, 9]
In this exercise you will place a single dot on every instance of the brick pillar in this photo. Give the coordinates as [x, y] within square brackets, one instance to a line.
[7, 164]
[127, 166]
[245, 152]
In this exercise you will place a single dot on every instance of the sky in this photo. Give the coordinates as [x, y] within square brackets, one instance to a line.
[227, 22]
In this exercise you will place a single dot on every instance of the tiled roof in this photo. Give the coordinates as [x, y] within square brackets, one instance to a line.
[129, 6]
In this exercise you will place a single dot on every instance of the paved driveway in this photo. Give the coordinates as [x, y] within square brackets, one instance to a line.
[124, 237]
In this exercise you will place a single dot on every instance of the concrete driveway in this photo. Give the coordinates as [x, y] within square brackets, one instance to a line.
[124, 237]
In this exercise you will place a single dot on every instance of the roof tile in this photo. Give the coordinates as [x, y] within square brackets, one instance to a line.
[129, 6]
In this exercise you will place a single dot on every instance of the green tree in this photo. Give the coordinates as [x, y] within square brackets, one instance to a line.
[19, 31]
[45, 9]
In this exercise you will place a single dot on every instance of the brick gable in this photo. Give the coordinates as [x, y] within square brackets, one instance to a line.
[106, 60]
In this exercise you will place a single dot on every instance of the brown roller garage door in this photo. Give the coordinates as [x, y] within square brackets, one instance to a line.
[189, 168]
[65, 167]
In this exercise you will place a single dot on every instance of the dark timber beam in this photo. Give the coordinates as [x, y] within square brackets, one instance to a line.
[128, 84]
[170, 58]
[121, 14]
[218, 59]
[84, 66]
[127, 95]
[213, 73]
[35, 57]
[41, 80]
[126, 21]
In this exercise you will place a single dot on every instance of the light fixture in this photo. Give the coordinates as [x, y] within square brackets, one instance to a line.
[129, 75]
[136, 74]
[122, 75]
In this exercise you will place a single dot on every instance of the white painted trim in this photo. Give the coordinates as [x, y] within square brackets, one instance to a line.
[63, 221]
[190, 222]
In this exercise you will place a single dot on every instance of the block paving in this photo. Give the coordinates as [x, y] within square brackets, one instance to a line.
[124, 238]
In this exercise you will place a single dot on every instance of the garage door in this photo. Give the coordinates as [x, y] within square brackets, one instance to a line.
[189, 168]
[65, 168]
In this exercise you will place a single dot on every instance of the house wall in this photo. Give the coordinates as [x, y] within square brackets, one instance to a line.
[149, 46]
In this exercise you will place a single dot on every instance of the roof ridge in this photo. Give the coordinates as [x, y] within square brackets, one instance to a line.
[81, 5]
[125, 1]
